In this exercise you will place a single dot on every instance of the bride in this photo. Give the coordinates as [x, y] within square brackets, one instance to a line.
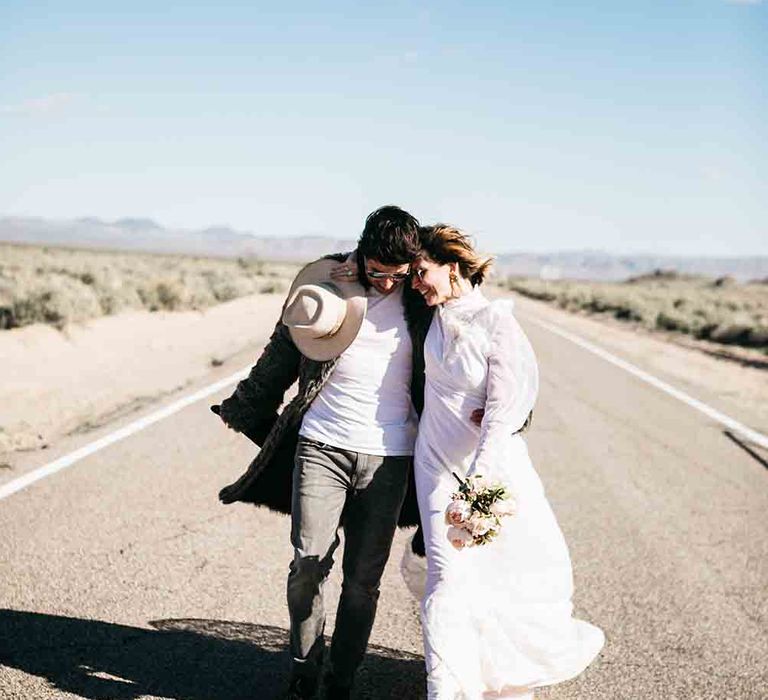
[497, 617]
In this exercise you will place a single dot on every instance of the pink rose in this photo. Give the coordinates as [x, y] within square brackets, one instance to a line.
[457, 512]
[459, 537]
[479, 524]
[506, 506]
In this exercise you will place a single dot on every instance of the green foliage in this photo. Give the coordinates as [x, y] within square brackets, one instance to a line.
[720, 310]
[274, 287]
[61, 285]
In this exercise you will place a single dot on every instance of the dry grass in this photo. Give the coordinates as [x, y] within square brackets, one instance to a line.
[722, 311]
[61, 285]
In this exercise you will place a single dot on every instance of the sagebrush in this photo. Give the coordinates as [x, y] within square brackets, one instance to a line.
[60, 285]
[720, 310]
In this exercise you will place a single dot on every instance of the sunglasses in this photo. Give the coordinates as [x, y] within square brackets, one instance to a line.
[394, 276]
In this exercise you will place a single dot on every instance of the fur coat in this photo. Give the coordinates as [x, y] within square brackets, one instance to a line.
[253, 409]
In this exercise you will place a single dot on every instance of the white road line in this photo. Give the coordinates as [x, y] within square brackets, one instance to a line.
[68, 460]
[751, 435]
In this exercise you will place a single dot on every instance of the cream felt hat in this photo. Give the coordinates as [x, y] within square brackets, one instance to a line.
[323, 316]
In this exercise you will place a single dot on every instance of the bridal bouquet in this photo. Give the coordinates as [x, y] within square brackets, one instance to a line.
[475, 511]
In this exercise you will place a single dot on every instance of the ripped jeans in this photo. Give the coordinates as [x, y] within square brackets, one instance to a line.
[369, 491]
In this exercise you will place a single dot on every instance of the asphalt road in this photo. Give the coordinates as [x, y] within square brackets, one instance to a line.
[123, 577]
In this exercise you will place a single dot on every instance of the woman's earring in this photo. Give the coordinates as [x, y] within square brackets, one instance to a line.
[454, 280]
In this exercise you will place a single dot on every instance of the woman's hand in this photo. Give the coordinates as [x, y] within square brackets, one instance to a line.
[345, 272]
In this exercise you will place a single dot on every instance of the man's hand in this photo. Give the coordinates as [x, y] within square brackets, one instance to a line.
[344, 272]
[477, 416]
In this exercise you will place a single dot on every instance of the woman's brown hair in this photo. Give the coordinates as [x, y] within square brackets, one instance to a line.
[445, 244]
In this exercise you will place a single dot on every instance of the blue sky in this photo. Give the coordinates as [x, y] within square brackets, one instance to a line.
[535, 126]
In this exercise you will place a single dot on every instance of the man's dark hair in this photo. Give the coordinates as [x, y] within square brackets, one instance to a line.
[391, 236]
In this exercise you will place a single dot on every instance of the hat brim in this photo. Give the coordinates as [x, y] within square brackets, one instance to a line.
[319, 272]
[322, 349]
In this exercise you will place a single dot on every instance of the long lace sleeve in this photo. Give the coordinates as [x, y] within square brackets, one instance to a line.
[513, 384]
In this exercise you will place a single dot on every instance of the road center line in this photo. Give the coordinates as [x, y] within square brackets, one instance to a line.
[68, 460]
[734, 425]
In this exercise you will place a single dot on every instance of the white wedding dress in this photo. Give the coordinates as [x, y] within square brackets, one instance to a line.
[497, 618]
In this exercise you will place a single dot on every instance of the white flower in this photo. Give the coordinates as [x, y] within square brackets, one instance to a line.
[480, 524]
[457, 512]
[459, 537]
[504, 507]
[479, 482]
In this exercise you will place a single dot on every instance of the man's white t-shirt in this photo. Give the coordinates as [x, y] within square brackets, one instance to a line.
[365, 406]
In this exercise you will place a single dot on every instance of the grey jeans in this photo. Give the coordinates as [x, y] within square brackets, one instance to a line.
[363, 493]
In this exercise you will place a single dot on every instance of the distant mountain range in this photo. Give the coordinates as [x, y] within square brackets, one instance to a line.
[148, 236]
[137, 234]
[599, 265]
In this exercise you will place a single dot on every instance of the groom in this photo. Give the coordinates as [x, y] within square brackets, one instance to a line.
[340, 453]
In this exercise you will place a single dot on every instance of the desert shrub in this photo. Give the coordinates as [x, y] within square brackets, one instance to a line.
[731, 333]
[6, 304]
[758, 336]
[536, 289]
[226, 289]
[662, 276]
[671, 321]
[58, 285]
[722, 310]
[251, 265]
[726, 281]
[197, 291]
[170, 294]
[273, 287]
[116, 293]
[56, 299]
[164, 294]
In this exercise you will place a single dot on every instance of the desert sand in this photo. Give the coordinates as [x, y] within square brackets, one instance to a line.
[54, 383]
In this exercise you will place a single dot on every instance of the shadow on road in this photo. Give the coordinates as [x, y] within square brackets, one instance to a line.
[181, 659]
[743, 445]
